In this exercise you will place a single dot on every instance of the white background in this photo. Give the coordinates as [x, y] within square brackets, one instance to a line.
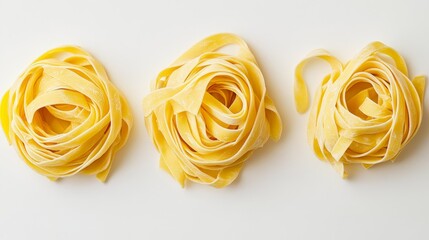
[283, 192]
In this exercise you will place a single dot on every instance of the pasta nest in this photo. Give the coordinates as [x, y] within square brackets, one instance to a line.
[365, 111]
[64, 116]
[209, 111]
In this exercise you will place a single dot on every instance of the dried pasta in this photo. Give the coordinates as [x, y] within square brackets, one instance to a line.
[365, 111]
[64, 116]
[208, 112]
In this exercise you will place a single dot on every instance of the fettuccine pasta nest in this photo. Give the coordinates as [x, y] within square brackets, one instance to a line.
[209, 111]
[64, 116]
[365, 111]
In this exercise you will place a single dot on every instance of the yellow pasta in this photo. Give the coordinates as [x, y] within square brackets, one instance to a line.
[209, 111]
[64, 116]
[365, 111]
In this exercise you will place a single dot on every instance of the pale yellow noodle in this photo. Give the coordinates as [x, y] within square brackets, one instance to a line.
[209, 111]
[365, 111]
[64, 116]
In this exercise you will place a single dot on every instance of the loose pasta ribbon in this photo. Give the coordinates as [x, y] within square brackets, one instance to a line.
[64, 116]
[209, 111]
[365, 111]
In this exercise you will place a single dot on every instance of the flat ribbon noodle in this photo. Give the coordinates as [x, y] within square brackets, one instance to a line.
[64, 116]
[365, 111]
[209, 111]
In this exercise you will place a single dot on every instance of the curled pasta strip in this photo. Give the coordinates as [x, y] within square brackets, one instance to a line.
[209, 111]
[64, 116]
[365, 111]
